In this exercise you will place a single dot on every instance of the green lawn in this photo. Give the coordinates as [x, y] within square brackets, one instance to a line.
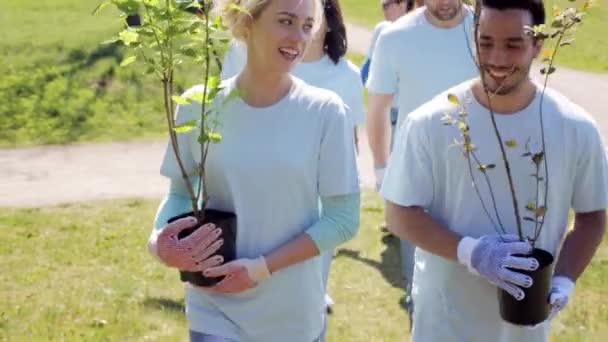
[60, 84]
[82, 273]
[590, 51]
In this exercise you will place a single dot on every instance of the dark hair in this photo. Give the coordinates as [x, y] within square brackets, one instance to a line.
[535, 7]
[335, 44]
[409, 5]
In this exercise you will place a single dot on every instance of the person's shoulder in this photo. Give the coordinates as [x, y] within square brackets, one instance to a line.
[406, 26]
[571, 113]
[381, 26]
[317, 99]
[349, 70]
[410, 21]
[443, 103]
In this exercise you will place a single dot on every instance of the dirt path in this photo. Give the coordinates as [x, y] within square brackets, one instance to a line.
[51, 175]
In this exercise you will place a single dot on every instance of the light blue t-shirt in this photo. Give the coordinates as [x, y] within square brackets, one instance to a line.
[418, 60]
[427, 170]
[270, 168]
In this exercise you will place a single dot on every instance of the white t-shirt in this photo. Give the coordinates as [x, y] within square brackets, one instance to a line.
[419, 60]
[426, 170]
[375, 34]
[270, 168]
[370, 53]
[343, 78]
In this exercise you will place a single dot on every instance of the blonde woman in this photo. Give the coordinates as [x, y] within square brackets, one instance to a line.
[286, 145]
[325, 56]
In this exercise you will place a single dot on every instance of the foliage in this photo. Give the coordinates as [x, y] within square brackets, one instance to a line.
[169, 32]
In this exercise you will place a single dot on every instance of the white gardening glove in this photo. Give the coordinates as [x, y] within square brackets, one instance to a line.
[379, 173]
[559, 295]
[240, 275]
[490, 257]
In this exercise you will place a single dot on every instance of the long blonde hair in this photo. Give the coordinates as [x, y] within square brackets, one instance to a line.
[236, 13]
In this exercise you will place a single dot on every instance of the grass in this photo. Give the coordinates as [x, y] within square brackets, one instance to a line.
[589, 52]
[81, 272]
[59, 84]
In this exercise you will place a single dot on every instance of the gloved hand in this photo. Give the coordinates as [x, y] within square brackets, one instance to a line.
[491, 255]
[240, 275]
[193, 252]
[379, 173]
[559, 295]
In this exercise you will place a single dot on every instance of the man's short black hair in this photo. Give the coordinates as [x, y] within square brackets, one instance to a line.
[535, 7]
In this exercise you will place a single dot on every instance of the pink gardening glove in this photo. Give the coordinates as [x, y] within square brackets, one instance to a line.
[240, 275]
[193, 252]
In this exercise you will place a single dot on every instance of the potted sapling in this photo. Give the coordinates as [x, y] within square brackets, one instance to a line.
[529, 216]
[170, 33]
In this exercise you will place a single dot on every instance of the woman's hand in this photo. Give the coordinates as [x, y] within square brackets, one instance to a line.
[240, 275]
[192, 253]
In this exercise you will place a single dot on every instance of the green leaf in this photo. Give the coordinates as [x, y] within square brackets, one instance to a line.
[549, 72]
[486, 167]
[196, 96]
[180, 100]
[463, 126]
[531, 206]
[214, 137]
[128, 61]
[210, 136]
[185, 127]
[127, 6]
[453, 99]
[567, 42]
[128, 36]
[110, 41]
[537, 158]
[511, 143]
[235, 7]
[100, 7]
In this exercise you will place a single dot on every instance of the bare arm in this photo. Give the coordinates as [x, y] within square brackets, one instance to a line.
[417, 226]
[379, 127]
[581, 244]
[293, 252]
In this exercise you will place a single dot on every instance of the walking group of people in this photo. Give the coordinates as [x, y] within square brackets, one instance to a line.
[286, 166]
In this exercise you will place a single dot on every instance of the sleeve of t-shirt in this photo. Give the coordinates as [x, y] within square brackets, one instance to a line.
[590, 191]
[354, 100]
[372, 44]
[169, 165]
[408, 180]
[338, 173]
[233, 63]
[383, 77]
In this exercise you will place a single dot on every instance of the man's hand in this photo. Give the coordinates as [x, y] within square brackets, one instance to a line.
[559, 295]
[492, 257]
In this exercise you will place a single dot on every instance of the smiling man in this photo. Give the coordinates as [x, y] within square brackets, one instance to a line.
[461, 258]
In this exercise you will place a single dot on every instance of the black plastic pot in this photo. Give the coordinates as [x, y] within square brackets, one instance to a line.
[221, 219]
[534, 308]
